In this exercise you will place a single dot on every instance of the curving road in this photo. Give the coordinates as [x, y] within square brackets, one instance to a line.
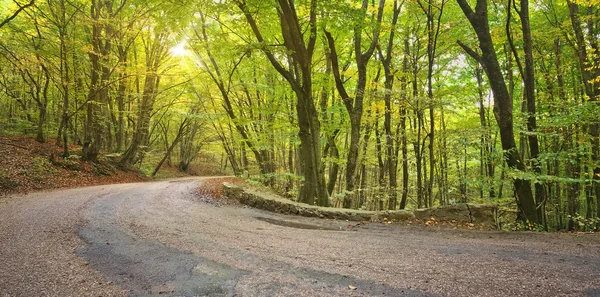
[164, 239]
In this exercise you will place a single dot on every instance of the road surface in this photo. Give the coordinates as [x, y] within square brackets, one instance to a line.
[165, 239]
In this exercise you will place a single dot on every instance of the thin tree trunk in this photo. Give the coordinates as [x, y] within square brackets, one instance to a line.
[530, 104]
[180, 133]
[391, 155]
[403, 115]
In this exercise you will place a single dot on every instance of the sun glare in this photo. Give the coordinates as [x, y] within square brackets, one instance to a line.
[179, 50]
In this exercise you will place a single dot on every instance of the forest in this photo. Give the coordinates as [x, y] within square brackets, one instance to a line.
[365, 104]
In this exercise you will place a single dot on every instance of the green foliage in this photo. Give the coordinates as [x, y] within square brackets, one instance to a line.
[42, 165]
[585, 224]
[72, 162]
[283, 183]
[523, 226]
[17, 126]
[339, 197]
[104, 167]
[39, 168]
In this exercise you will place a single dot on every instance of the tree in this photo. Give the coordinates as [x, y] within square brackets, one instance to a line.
[589, 66]
[391, 149]
[478, 19]
[98, 99]
[528, 74]
[157, 52]
[223, 79]
[354, 106]
[35, 72]
[433, 13]
[299, 76]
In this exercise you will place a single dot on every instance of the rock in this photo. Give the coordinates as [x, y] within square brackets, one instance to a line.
[400, 215]
[232, 191]
[458, 212]
[469, 213]
[483, 213]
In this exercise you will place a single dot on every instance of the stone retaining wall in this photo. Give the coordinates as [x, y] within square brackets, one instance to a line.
[463, 212]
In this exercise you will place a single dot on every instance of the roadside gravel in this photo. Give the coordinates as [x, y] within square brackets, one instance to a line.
[38, 237]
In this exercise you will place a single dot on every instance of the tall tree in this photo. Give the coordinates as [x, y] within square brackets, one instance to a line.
[478, 19]
[34, 70]
[299, 76]
[101, 14]
[157, 52]
[354, 106]
[588, 57]
[433, 12]
[223, 79]
[391, 149]
[528, 74]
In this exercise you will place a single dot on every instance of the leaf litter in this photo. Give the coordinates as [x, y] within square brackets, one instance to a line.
[27, 165]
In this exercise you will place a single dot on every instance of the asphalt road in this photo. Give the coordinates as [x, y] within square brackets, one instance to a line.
[164, 239]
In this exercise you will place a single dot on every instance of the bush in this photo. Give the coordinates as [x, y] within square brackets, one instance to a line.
[520, 226]
[585, 224]
[72, 162]
[39, 168]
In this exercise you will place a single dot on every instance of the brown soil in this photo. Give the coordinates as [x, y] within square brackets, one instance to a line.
[27, 165]
[212, 190]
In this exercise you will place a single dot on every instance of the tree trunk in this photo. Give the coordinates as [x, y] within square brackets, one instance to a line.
[183, 129]
[403, 116]
[65, 80]
[433, 30]
[590, 71]
[156, 53]
[530, 104]
[486, 145]
[391, 156]
[313, 188]
[97, 100]
[503, 104]
[354, 106]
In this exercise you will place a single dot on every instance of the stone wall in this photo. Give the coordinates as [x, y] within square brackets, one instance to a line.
[463, 212]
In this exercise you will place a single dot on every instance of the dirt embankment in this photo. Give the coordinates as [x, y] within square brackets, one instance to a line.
[27, 165]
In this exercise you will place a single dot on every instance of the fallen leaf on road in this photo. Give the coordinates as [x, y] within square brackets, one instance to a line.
[351, 287]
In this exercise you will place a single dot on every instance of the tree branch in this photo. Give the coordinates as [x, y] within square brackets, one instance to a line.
[16, 13]
[376, 32]
[466, 8]
[250, 19]
[511, 43]
[336, 71]
[313, 28]
[470, 51]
